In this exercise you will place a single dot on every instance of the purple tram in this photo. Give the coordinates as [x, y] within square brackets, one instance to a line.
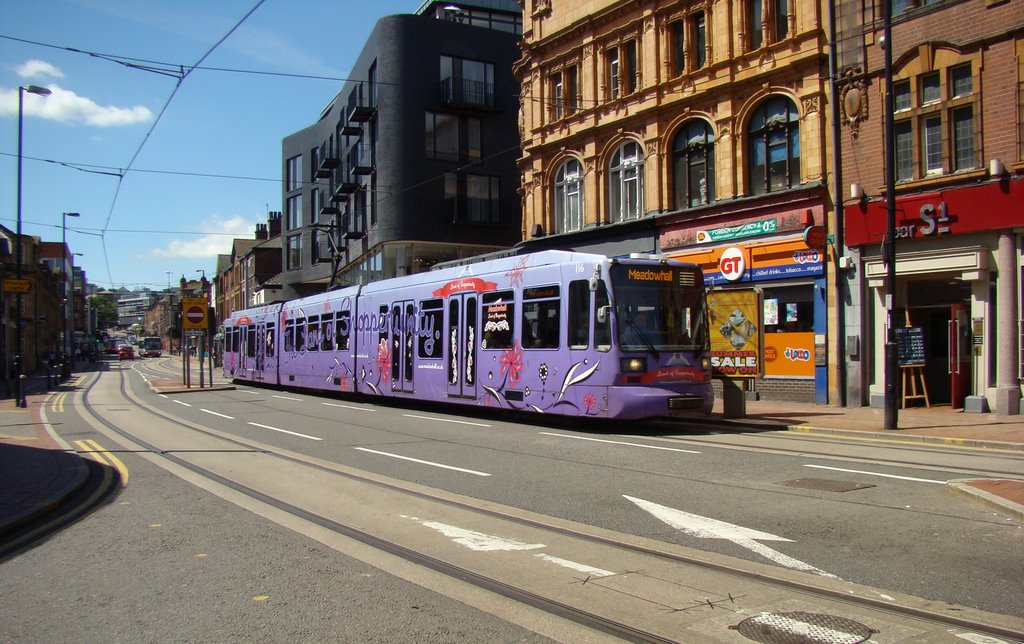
[549, 332]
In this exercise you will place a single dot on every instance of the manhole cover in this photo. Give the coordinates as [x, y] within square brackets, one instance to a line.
[827, 485]
[802, 628]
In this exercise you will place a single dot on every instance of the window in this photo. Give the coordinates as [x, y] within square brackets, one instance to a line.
[472, 198]
[342, 329]
[294, 212]
[327, 332]
[677, 30]
[963, 138]
[568, 206]
[626, 183]
[452, 138]
[467, 82]
[314, 163]
[293, 173]
[901, 96]
[499, 311]
[693, 161]
[754, 24]
[904, 151]
[688, 42]
[312, 335]
[442, 136]
[541, 318]
[767, 29]
[930, 88]
[579, 314]
[563, 93]
[937, 131]
[294, 252]
[620, 63]
[774, 146]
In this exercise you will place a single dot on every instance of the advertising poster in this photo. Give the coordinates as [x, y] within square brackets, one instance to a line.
[789, 355]
[737, 333]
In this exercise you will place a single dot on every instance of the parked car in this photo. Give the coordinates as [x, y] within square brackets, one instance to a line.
[126, 352]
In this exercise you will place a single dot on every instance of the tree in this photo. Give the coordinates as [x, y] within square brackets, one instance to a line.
[106, 311]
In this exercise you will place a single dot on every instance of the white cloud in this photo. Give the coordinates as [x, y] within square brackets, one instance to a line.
[66, 106]
[221, 234]
[38, 68]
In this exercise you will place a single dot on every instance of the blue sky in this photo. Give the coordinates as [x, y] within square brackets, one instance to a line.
[176, 208]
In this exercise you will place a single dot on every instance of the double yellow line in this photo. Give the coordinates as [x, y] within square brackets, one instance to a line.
[57, 403]
[103, 457]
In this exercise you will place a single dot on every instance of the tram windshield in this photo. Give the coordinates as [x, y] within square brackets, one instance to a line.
[659, 308]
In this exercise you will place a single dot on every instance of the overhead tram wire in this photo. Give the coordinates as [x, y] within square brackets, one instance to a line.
[167, 103]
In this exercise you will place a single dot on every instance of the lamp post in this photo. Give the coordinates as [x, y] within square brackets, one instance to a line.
[68, 323]
[891, 415]
[19, 386]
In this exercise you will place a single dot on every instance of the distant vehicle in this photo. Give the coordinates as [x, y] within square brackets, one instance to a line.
[151, 347]
[126, 352]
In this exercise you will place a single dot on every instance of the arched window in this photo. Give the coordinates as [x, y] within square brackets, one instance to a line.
[626, 183]
[568, 204]
[774, 147]
[693, 165]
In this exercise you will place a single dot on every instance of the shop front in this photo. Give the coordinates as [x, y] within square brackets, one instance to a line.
[957, 293]
[782, 255]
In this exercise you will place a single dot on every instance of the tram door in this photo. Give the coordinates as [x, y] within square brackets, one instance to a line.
[959, 360]
[243, 347]
[261, 349]
[403, 338]
[460, 345]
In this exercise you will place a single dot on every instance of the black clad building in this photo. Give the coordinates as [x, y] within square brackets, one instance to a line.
[414, 162]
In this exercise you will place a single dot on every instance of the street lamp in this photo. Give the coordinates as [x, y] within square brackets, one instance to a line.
[19, 387]
[68, 322]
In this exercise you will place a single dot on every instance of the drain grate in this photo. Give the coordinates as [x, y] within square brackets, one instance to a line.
[802, 628]
[827, 485]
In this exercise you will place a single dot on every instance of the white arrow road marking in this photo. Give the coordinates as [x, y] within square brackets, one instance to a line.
[572, 565]
[705, 528]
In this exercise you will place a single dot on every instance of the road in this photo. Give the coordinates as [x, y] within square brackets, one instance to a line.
[186, 541]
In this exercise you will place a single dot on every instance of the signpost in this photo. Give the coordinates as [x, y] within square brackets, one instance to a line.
[194, 312]
[13, 285]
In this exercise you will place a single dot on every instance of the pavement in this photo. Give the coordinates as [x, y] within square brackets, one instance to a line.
[39, 470]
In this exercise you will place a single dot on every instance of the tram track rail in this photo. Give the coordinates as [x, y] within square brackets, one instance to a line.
[803, 586]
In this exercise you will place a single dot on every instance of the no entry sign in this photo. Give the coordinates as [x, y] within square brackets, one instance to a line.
[193, 313]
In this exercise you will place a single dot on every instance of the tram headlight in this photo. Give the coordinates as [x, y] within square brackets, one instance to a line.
[705, 363]
[633, 365]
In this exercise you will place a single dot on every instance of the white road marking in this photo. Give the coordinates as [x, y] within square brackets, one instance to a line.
[565, 563]
[349, 407]
[602, 440]
[162, 395]
[888, 476]
[182, 403]
[477, 540]
[286, 397]
[285, 431]
[254, 393]
[705, 528]
[416, 460]
[446, 420]
[217, 414]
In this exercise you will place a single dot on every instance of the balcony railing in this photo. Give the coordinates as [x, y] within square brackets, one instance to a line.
[360, 161]
[460, 92]
[362, 104]
[342, 181]
[328, 161]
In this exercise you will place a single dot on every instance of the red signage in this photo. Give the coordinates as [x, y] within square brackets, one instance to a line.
[465, 284]
[195, 315]
[992, 206]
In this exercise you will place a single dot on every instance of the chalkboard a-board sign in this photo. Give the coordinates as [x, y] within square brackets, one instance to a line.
[910, 345]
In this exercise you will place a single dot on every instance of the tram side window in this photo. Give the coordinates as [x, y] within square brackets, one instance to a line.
[541, 318]
[313, 333]
[499, 312]
[602, 330]
[300, 335]
[341, 330]
[431, 319]
[250, 349]
[269, 351]
[327, 332]
[289, 336]
[579, 314]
